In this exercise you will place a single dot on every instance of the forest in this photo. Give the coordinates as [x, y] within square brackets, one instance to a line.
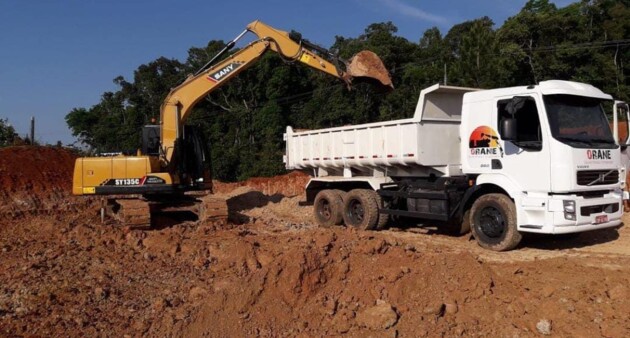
[245, 119]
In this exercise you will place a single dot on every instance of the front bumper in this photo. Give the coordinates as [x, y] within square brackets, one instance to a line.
[547, 214]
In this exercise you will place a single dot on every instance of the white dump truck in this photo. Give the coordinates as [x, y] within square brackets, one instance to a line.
[500, 162]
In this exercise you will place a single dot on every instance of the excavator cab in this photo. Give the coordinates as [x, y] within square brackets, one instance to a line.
[151, 140]
[194, 165]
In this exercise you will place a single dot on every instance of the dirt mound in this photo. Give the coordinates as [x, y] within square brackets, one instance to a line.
[34, 179]
[70, 275]
[334, 282]
[248, 205]
[38, 170]
[291, 184]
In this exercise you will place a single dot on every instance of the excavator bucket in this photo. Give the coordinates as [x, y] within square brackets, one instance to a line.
[367, 65]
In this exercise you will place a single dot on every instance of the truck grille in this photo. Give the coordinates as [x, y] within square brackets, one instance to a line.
[597, 177]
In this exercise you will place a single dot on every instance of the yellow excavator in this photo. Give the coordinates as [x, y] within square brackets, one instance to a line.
[172, 170]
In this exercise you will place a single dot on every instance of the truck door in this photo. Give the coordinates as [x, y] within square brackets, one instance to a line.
[621, 130]
[525, 160]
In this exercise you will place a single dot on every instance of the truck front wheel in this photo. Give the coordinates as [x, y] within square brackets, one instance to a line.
[361, 209]
[493, 222]
[328, 208]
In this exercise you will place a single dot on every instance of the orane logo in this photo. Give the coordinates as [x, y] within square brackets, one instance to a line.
[598, 154]
[220, 74]
[484, 142]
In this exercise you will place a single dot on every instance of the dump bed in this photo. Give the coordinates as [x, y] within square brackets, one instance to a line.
[429, 139]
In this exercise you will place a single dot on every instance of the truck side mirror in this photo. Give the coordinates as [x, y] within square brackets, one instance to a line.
[508, 129]
[621, 124]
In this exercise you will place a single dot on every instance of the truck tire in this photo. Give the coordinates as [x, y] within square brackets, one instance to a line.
[342, 194]
[382, 218]
[493, 222]
[328, 208]
[361, 209]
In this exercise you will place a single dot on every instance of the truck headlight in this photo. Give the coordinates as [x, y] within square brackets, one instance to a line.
[569, 210]
[569, 206]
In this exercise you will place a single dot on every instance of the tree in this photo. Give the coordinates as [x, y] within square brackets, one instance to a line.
[115, 123]
[7, 133]
[472, 53]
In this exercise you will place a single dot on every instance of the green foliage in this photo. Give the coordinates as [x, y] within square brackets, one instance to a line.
[7, 133]
[245, 119]
[114, 124]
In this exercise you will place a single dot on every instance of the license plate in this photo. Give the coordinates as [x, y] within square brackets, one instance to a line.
[601, 219]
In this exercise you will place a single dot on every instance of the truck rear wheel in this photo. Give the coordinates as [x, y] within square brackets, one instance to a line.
[493, 222]
[328, 207]
[382, 218]
[361, 209]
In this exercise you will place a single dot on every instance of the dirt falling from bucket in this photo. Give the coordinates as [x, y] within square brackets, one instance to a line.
[366, 64]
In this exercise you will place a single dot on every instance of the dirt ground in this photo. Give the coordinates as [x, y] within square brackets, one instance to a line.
[272, 272]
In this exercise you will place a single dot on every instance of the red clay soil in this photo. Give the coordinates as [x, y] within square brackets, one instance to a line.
[38, 179]
[291, 184]
[34, 179]
[277, 274]
[39, 170]
[69, 275]
[368, 65]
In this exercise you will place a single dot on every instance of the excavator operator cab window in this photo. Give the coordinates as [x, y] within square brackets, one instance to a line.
[151, 140]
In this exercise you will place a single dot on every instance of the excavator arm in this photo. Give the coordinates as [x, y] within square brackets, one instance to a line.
[180, 101]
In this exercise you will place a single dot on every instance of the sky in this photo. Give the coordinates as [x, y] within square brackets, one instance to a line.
[58, 55]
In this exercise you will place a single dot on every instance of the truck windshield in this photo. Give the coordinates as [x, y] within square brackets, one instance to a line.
[578, 121]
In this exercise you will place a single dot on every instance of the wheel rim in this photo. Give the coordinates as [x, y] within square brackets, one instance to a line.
[324, 209]
[355, 211]
[491, 222]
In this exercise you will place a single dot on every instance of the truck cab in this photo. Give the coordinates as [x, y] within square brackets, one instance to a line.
[550, 148]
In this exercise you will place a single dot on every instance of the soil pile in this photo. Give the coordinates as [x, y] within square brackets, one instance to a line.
[69, 275]
[35, 179]
[291, 184]
[368, 66]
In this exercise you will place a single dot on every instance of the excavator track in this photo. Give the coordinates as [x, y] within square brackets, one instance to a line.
[212, 209]
[130, 212]
[136, 212]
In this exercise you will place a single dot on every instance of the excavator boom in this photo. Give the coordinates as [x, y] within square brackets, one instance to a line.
[180, 101]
